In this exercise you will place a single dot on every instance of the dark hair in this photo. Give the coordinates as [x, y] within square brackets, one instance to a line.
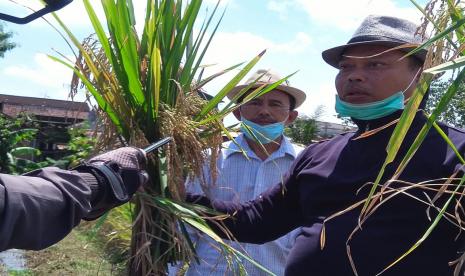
[291, 100]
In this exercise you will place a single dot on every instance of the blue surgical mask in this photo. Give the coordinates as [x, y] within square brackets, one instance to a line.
[370, 111]
[264, 134]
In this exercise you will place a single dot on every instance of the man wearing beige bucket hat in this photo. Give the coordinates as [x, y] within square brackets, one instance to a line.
[263, 119]
[374, 81]
[242, 177]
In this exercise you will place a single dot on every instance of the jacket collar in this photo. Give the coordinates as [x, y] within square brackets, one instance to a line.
[366, 125]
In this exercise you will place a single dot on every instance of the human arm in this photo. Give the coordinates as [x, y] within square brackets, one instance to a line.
[266, 218]
[40, 208]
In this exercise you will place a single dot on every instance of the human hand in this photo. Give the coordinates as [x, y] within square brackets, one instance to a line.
[119, 174]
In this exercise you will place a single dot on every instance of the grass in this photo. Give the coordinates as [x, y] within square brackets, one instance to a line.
[80, 253]
[19, 272]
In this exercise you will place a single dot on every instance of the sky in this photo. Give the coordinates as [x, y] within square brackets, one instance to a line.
[294, 33]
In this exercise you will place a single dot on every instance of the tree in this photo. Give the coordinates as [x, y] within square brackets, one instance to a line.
[5, 44]
[304, 129]
[454, 114]
[13, 133]
[81, 144]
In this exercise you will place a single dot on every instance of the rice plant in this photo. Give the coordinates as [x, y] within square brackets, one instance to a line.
[146, 86]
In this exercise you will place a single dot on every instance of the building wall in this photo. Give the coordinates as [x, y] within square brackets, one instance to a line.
[327, 129]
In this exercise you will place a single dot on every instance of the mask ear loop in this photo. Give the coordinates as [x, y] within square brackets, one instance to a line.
[411, 82]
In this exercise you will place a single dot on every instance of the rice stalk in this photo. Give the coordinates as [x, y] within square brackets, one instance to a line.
[146, 88]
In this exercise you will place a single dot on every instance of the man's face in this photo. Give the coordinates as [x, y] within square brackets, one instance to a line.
[270, 108]
[365, 80]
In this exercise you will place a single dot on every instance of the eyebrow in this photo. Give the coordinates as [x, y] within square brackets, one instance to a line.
[385, 59]
[346, 57]
[276, 101]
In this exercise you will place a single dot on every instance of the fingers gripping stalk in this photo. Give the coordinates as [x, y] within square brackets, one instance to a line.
[119, 173]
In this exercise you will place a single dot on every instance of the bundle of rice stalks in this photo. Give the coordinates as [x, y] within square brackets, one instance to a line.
[146, 86]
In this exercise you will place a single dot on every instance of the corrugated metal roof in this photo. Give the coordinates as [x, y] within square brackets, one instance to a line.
[32, 101]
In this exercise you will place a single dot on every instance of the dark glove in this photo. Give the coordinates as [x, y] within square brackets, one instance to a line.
[119, 174]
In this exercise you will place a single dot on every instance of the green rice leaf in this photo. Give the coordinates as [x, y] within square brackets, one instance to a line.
[155, 66]
[195, 54]
[456, 15]
[203, 82]
[125, 41]
[232, 83]
[449, 142]
[98, 28]
[446, 66]
[105, 106]
[197, 222]
[442, 105]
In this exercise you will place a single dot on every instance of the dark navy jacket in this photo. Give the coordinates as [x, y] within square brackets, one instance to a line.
[325, 179]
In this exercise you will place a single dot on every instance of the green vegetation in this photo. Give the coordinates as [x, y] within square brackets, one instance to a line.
[454, 114]
[5, 43]
[146, 86]
[303, 130]
[15, 132]
[80, 253]
[16, 157]
[80, 146]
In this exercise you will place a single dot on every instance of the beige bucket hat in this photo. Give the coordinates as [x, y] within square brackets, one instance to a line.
[268, 77]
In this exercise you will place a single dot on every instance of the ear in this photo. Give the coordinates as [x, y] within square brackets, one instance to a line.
[237, 113]
[292, 116]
